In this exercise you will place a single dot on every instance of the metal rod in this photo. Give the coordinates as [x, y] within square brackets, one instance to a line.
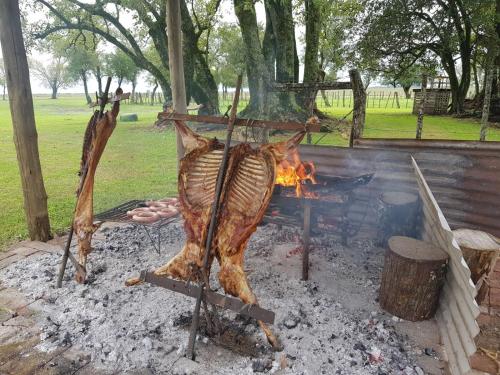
[213, 220]
[306, 239]
[66, 254]
[65, 257]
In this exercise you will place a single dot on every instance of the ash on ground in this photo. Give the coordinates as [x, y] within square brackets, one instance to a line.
[329, 325]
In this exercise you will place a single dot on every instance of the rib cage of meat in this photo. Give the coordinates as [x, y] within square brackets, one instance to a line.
[246, 193]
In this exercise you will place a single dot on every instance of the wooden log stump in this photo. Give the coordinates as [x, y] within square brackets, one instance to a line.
[399, 215]
[412, 278]
[480, 251]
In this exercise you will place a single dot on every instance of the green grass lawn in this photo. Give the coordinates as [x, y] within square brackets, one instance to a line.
[139, 161]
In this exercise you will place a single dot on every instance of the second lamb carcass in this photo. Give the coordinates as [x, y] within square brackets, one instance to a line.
[247, 190]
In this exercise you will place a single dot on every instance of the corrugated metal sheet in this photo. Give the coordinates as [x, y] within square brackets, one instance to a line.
[463, 176]
[458, 310]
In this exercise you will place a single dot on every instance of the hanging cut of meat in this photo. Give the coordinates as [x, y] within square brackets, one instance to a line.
[95, 140]
[246, 193]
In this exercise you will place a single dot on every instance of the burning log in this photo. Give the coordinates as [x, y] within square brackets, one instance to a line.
[413, 275]
[323, 185]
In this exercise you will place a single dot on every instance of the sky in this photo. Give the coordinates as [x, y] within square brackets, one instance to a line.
[226, 12]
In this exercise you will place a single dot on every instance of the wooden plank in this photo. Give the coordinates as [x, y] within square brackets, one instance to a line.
[226, 302]
[278, 125]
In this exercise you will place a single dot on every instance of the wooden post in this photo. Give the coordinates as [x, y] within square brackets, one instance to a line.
[421, 107]
[359, 110]
[176, 64]
[388, 99]
[23, 120]
[414, 272]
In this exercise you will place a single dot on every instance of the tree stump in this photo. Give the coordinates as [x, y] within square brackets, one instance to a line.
[399, 215]
[414, 272]
[480, 251]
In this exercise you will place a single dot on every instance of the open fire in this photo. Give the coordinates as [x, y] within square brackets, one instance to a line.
[297, 173]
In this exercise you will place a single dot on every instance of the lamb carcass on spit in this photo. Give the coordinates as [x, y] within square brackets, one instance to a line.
[247, 190]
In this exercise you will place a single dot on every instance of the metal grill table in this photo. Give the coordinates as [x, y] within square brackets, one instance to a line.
[119, 215]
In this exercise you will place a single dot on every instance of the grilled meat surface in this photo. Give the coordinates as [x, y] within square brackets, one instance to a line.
[246, 193]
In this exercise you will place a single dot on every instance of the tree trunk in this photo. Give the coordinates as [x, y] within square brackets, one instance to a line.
[280, 12]
[489, 71]
[199, 81]
[134, 83]
[153, 93]
[176, 65]
[23, 121]
[120, 81]
[83, 75]
[413, 275]
[296, 62]
[54, 91]
[421, 107]
[477, 89]
[269, 47]
[98, 78]
[311, 64]
[257, 73]
[457, 93]
[359, 110]
[406, 89]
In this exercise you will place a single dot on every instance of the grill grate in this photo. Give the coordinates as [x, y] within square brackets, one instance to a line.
[118, 214]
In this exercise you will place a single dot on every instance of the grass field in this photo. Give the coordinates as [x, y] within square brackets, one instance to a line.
[139, 161]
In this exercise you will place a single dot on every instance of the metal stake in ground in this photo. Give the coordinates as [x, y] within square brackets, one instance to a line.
[213, 221]
[67, 254]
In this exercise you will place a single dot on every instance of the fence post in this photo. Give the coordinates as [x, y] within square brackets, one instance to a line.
[421, 107]
[389, 98]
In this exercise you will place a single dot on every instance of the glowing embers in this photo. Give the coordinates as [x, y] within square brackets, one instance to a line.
[294, 172]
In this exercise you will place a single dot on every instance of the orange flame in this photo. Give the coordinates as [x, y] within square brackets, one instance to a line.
[294, 172]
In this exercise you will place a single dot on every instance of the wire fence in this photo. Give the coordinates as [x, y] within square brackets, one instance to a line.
[374, 99]
[325, 99]
[380, 104]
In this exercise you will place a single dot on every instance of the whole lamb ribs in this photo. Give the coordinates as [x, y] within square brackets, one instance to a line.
[247, 190]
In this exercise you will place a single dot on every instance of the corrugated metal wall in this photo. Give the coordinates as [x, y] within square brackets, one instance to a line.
[463, 176]
[458, 310]
[460, 178]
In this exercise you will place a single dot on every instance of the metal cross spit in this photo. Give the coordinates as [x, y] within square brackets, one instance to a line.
[202, 292]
